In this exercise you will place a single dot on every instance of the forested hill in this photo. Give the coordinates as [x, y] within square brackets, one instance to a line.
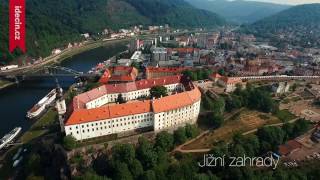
[300, 24]
[240, 11]
[53, 23]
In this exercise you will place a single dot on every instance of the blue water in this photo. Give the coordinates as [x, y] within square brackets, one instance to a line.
[15, 101]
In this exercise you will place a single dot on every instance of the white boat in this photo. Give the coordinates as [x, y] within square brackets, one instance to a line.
[42, 105]
[9, 137]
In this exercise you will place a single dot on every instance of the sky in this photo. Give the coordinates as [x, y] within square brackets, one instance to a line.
[292, 2]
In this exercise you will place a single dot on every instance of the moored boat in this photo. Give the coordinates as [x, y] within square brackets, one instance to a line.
[42, 105]
[9, 137]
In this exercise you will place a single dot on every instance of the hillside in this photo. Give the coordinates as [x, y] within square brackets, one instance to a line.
[51, 24]
[239, 11]
[299, 25]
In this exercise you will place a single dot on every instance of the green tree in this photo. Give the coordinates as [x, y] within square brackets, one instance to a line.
[180, 136]
[121, 171]
[69, 142]
[190, 74]
[164, 141]
[301, 126]
[221, 72]
[33, 164]
[191, 131]
[270, 137]
[149, 175]
[158, 91]
[123, 152]
[136, 168]
[218, 106]
[146, 154]
[120, 99]
[217, 120]
[92, 175]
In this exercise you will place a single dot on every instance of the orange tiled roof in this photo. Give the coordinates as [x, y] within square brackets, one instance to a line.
[105, 77]
[215, 75]
[108, 112]
[123, 73]
[229, 80]
[80, 100]
[176, 101]
[120, 110]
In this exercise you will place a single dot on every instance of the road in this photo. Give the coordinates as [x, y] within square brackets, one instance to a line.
[59, 57]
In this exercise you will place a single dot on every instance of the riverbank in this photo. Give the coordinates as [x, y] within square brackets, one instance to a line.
[65, 54]
[5, 84]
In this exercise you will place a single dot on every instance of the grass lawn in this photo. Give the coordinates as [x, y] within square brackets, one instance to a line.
[4, 83]
[40, 127]
[98, 140]
[285, 115]
[247, 120]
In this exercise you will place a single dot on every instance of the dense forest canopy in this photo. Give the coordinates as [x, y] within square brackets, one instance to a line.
[52, 24]
[240, 11]
[298, 25]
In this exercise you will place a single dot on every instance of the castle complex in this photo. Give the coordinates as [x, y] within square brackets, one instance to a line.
[94, 116]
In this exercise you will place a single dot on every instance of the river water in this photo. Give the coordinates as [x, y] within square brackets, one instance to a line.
[15, 101]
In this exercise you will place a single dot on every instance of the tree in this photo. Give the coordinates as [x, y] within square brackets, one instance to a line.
[164, 141]
[300, 127]
[191, 131]
[120, 99]
[69, 142]
[217, 120]
[218, 106]
[149, 175]
[270, 137]
[158, 91]
[146, 154]
[92, 175]
[136, 168]
[33, 164]
[136, 65]
[123, 152]
[221, 72]
[190, 74]
[232, 102]
[121, 171]
[180, 136]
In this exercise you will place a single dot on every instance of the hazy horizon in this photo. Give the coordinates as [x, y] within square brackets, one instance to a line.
[291, 2]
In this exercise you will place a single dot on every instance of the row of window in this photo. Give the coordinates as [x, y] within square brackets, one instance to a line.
[147, 117]
[136, 94]
[115, 125]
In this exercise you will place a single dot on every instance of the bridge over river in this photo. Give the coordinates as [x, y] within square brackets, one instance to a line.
[46, 71]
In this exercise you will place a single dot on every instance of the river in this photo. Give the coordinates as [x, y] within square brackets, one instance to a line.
[15, 101]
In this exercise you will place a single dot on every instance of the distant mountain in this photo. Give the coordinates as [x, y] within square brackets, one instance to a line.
[299, 25]
[239, 11]
[53, 23]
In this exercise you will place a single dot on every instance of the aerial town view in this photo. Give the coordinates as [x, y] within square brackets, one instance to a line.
[159, 89]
